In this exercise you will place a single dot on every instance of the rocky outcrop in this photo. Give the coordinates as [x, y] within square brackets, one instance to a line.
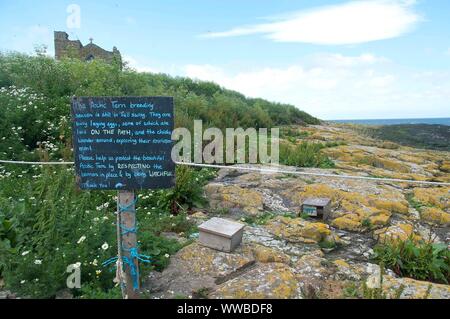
[286, 255]
[234, 198]
[196, 268]
[268, 280]
[299, 230]
[407, 288]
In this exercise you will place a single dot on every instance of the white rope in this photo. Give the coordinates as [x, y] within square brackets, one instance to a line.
[265, 170]
[36, 163]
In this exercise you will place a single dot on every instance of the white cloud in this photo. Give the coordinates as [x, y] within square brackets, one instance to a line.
[349, 23]
[337, 86]
[138, 65]
[339, 60]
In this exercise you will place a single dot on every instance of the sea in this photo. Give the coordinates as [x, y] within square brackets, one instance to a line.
[440, 121]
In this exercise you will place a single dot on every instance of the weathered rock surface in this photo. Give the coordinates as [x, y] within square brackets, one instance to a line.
[196, 267]
[268, 280]
[299, 230]
[286, 256]
[407, 288]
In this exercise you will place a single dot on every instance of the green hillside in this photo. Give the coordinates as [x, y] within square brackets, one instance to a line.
[193, 99]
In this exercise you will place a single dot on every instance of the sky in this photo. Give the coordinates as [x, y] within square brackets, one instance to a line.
[353, 59]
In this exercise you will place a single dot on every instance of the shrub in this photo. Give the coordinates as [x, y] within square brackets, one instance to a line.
[304, 155]
[422, 261]
[47, 224]
[188, 190]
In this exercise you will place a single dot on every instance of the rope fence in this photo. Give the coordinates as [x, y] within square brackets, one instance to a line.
[265, 170]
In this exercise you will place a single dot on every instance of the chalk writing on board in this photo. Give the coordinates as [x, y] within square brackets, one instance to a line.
[123, 143]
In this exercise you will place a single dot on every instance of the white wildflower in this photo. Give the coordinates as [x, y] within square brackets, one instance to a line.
[82, 238]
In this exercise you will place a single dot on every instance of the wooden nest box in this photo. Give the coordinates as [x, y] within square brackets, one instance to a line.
[221, 234]
[316, 207]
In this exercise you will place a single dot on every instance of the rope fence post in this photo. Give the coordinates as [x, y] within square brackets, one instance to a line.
[128, 242]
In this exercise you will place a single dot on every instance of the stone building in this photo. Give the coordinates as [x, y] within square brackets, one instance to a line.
[75, 49]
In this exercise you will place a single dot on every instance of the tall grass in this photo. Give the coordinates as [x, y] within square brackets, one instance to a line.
[305, 154]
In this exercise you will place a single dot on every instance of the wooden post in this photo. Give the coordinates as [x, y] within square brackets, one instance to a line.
[128, 239]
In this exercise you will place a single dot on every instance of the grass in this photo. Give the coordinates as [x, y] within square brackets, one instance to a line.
[326, 244]
[366, 223]
[363, 291]
[305, 154]
[417, 205]
[265, 217]
[46, 224]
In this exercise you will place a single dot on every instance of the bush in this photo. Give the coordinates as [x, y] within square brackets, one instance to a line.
[422, 261]
[304, 155]
[46, 224]
[216, 106]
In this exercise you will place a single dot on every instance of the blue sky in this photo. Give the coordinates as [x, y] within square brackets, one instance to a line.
[334, 59]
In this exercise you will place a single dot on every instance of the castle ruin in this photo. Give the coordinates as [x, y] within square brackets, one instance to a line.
[75, 49]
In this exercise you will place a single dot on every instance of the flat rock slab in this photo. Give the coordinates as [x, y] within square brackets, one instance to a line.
[270, 280]
[414, 289]
[196, 267]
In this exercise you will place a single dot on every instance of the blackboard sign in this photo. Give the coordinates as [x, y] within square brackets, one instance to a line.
[123, 143]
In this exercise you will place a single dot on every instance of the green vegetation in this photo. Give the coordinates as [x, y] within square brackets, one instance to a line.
[436, 137]
[56, 82]
[327, 244]
[305, 154]
[46, 223]
[422, 261]
[427, 136]
[292, 135]
[305, 216]
[265, 217]
[366, 223]
[363, 291]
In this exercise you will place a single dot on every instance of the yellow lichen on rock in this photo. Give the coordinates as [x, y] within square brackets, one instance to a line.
[348, 222]
[414, 289]
[234, 197]
[436, 196]
[204, 260]
[399, 232]
[341, 263]
[388, 164]
[272, 280]
[380, 219]
[435, 216]
[269, 255]
[391, 206]
[314, 190]
[445, 167]
[298, 230]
